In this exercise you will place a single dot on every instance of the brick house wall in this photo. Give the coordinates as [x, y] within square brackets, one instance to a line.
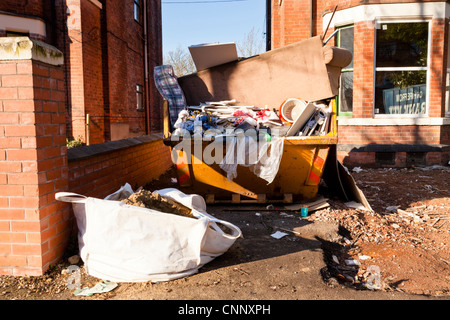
[35, 163]
[291, 22]
[99, 170]
[105, 60]
[92, 75]
[126, 66]
[41, 91]
[36, 8]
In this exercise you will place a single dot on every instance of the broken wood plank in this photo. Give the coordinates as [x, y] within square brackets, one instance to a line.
[209, 198]
[308, 205]
[288, 198]
[261, 198]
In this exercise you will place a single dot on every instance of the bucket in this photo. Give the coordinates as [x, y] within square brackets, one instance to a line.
[291, 109]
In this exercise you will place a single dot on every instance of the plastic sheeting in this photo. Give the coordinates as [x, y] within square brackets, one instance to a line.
[263, 156]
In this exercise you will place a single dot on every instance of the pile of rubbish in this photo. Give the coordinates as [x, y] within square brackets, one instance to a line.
[294, 118]
[153, 200]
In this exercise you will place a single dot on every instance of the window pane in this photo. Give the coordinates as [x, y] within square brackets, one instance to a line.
[137, 11]
[346, 36]
[402, 45]
[346, 96]
[345, 40]
[139, 97]
[400, 92]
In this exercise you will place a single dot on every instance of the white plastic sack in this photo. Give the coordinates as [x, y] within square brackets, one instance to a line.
[264, 157]
[125, 243]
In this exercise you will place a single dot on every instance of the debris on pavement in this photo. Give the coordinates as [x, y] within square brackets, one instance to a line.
[413, 258]
[278, 235]
[406, 235]
[101, 287]
[319, 203]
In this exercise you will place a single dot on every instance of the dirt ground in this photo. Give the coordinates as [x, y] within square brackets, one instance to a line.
[405, 238]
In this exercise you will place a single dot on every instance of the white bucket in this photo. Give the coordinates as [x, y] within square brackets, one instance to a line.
[291, 109]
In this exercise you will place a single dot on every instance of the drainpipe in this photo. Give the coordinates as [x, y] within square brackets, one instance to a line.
[147, 89]
[311, 18]
[268, 25]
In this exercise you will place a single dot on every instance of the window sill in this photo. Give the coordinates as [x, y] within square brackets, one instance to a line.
[417, 121]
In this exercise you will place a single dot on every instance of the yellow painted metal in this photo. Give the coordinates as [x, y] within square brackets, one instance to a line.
[214, 177]
[180, 159]
[166, 119]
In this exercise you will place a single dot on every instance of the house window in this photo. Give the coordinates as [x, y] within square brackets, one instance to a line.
[401, 67]
[345, 37]
[139, 97]
[137, 10]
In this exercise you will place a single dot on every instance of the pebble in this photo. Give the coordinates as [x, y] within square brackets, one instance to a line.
[74, 259]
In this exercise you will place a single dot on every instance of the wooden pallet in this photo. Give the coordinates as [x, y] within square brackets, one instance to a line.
[237, 198]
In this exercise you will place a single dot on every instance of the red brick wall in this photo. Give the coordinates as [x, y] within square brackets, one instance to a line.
[92, 70]
[37, 8]
[438, 63]
[34, 228]
[125, 64]
[101, 173]
[102, 83]
[363, 66]
[73, 54]
[291, 21]
[155, 58]
[368, 159]
[390, 134]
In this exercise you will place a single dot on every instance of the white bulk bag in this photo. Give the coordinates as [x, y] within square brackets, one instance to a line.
[125, 243]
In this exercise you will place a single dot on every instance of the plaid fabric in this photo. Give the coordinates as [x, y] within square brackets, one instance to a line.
[167, 83]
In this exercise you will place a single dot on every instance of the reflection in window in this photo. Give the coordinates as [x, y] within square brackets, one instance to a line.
[345, 39]
[137, 10]
[401, 68]
[139, 97]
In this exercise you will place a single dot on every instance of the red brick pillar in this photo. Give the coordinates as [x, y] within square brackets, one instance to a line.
[34, 228]
[363, 66]
[438, 68]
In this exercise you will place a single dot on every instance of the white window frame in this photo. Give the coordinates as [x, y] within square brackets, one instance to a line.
[378, 24]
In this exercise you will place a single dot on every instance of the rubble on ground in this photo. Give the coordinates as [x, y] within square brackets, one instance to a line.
[406, 236]
[152, 200]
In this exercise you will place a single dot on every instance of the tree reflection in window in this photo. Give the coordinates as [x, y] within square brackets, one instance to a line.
[401, 68]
